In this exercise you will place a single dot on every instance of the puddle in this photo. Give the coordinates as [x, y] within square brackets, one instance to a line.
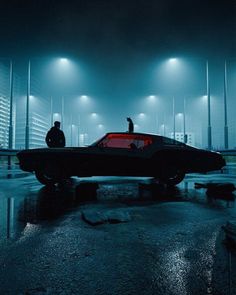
[36, 205]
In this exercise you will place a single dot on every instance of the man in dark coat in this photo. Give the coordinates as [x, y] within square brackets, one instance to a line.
[55, 137]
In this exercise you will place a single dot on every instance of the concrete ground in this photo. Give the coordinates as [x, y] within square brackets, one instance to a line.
[171, 241]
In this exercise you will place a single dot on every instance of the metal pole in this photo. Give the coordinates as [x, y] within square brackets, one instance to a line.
[184, 123]
[208, 108]
[62, 112]
[157, 122]
[51, 106]
[27, 109]
[226, 139]
[10, 139]
[173, 117]
[71, 131]
[79, 130]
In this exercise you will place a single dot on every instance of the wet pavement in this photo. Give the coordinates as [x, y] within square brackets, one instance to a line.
[171, 241]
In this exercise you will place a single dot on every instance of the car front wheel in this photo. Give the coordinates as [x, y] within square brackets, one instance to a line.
[45, 179]
[172, 176]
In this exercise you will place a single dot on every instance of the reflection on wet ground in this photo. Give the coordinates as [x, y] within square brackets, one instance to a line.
[36, 204]
[174, 233]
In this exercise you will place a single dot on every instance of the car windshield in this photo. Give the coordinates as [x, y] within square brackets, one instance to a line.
[128, 141]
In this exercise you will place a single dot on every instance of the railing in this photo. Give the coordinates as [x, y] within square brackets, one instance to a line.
[231, 152]
[8, 152]
[8, 163]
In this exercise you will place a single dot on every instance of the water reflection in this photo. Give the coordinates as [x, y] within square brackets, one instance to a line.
[40, 205]
[17, 215]
[7, 220]
[49, 203]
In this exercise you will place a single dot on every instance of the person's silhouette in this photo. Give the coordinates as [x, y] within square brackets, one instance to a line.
[55, 137]
[131, 125]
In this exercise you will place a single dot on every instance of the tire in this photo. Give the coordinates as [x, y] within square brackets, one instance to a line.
[172, 176]
[45, 179]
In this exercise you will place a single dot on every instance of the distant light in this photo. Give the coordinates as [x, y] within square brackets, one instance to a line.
[64, 60]
[94, 115]
[173, 60]
[100, 126]
[151, 97]
[136, 126]
[141, 115]
[31, 97]
[179, 114]
[56, 117]
[84, 97]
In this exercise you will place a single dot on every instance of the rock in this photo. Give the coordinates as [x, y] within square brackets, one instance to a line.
[117, 216]
[216, 187]
[218, 190]
[93, 217]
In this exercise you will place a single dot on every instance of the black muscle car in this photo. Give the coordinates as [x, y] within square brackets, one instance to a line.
[121, 154]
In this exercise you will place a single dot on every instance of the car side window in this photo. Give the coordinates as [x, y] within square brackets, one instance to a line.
[125, 141]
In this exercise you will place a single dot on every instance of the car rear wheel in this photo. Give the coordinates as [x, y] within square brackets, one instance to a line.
[45, 179]
[172, 176]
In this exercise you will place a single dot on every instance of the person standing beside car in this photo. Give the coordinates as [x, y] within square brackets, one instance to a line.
[55, 136]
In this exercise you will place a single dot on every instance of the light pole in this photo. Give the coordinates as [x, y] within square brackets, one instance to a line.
[79, 128]
[226, 139]
[173, 106]
[27, 108]
[184, 122]
[209, 135]
[163, 129]
[51, 110]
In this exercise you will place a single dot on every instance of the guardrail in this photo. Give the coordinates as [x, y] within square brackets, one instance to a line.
[8, 152]
[230, 152]
[6, 156]
[9, 167]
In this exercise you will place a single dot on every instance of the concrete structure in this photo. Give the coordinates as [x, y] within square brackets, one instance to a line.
[4, 121]
[39, 122]
[180, 137]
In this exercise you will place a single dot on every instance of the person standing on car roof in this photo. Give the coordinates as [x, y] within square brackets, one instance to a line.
[131, 125]
[55, 136]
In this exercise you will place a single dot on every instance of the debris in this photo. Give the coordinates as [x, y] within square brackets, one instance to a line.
[117, 216]
[218, 190]
[112, 216]
[93, 217]
[216, 187]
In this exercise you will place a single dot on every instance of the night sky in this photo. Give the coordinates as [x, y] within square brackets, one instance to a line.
[119, 46]
[109, 30]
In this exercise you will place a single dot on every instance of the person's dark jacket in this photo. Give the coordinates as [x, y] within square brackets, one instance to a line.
[55, 138]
